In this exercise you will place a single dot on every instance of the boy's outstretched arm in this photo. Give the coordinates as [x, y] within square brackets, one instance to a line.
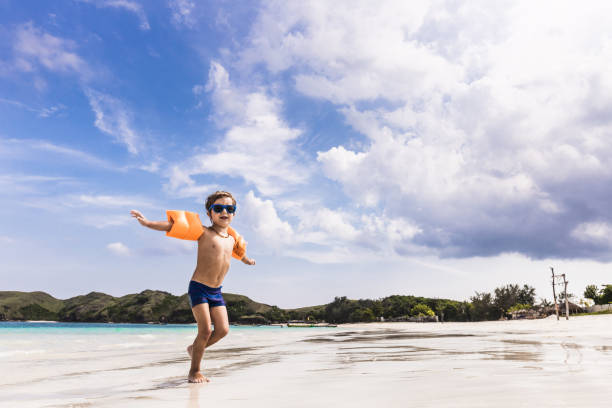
[156, 225]
[249, 261]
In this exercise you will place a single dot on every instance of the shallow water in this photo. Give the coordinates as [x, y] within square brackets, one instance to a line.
[509, 364]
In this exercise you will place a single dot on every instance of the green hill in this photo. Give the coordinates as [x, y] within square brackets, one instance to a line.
[86, 308]
[146, 306]
[29, 306]
[308, 309]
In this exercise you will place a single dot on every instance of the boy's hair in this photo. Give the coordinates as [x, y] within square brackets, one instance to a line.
[217, 195]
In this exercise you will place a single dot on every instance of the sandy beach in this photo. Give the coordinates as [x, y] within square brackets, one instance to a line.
[506, 364]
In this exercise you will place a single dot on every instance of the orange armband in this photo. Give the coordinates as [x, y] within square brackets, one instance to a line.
[239, 250]
[186, 225]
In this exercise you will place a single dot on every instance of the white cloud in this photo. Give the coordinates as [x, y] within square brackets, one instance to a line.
[319, 225]
[132, 6]
[598, 233]
[33, 47]
[118, 248]
[198, 89]
[257, 145]
[263, 219]
[44, 112]
[111, 201]
[128, 5]
[182, 12]
[169, 248]
[323, 235]
[50, 111]
[115, 119]
[26, 149]
[487, 126]
[182, 185]
[23, 187]
[85, 202]
[29, 178]
[102, 221]
[152, 167]
[98, 211]
[331, 255]
[228, 100]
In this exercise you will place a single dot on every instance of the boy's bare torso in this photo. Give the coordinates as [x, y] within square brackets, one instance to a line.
[214, 256]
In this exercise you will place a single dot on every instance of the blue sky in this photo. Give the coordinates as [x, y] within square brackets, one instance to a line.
[433, 149]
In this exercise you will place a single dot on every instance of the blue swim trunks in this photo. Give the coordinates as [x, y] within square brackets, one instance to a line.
[200, 293]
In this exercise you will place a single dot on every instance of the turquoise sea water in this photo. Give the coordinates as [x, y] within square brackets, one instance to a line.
[112, 328]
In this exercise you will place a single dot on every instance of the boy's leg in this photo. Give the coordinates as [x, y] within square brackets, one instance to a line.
[220, 320]
[201, 312]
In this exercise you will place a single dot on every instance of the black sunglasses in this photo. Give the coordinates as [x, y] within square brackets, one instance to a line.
[218, 208]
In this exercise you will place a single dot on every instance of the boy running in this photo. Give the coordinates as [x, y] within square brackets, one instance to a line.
[216, 245]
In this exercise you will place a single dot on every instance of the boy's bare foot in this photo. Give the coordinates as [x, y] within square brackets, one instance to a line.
[197, 377]
[190, 350]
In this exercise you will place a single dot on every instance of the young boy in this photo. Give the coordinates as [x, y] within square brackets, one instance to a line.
[216, 245]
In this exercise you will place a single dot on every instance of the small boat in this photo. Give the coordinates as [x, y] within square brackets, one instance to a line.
[310, 325]
[300, 325]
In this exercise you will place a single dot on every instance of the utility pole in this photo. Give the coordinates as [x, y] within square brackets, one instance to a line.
[564, 283]
[554, 293]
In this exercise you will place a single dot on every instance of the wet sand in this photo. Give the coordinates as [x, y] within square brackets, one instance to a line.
[540, 363]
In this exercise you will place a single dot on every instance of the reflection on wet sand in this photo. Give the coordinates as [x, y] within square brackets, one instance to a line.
[194, 395]
[377, 335]
[378, 349]
[512, 355]
[245, 362]
[402, 345]
[524, 342]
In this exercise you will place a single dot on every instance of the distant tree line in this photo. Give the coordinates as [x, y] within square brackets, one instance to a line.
[601, 296]
[482, 306]
[505, 299]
